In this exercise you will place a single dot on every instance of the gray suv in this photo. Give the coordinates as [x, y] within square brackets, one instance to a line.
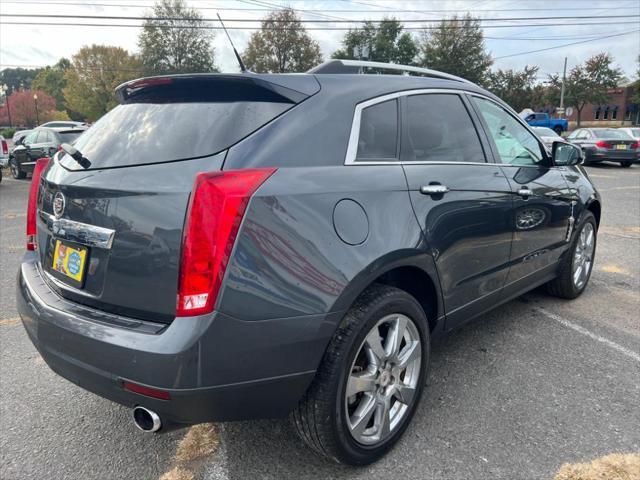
[223, 247]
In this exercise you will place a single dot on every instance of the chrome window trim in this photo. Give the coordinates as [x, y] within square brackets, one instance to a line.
[352, 147]
[78, 232]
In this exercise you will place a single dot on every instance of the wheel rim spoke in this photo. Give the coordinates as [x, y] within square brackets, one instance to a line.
[409, 354]
[361, 417]
[383, 419]
[405, 393]
[375, 350]
[362, 382]
[395, 336]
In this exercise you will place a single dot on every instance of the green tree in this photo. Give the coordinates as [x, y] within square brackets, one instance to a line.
[636, 97]
[51, 80]
[383, 42]
[586, 83]
[281, 45]
[456, 46]
[17, 78]
[516, 87]
[94, 74]
[176, 40]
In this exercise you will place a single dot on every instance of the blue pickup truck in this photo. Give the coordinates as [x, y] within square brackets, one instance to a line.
[558, 125]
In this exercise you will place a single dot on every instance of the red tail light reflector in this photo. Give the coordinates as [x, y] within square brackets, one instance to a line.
[603, 144]
[635, 146]
[5, 147]
[32, 206]
[147, 391]
[216, 207]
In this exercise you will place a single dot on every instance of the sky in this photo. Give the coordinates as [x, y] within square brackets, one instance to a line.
[511, 45]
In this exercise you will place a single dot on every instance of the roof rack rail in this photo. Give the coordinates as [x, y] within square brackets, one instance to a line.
[357, 66]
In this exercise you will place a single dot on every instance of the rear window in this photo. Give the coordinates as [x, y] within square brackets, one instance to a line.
[142, 133]
[610, 133]
[545, 132]
[378, 138]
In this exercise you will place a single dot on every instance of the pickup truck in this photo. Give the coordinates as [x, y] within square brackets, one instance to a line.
[558, 125]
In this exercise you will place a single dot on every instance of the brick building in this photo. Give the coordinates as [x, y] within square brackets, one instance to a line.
[618, 111]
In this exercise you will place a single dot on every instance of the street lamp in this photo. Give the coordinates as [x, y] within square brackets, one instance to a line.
[3, 92]
[35, 100]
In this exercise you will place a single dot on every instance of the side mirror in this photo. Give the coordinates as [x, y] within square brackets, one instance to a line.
[566, 154]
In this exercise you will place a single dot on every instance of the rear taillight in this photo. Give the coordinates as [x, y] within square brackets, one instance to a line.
[216, 207]
[5, 147]
[603, 144]
[32, 206]
[635, 146]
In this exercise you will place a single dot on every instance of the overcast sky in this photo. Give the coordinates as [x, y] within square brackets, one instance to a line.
[28, 45]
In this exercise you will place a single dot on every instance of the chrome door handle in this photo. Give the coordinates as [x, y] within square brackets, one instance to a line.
[525, 192]
[433, 189]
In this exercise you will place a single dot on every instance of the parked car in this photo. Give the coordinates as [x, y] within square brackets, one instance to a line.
[558, 125]
[606, 145]
[547, 136]
[298, 257]
[633, 132]
[4, 154]
[64, 124]
[41, 142]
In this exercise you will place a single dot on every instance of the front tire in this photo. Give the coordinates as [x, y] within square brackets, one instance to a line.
[576, 265]
[370, 380]
[15, 170]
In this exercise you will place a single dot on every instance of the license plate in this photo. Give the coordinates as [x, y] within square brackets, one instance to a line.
[69, 261]
[621, 146]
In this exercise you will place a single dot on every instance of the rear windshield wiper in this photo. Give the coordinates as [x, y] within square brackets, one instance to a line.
[76, 155]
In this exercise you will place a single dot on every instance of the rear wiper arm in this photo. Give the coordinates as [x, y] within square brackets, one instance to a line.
[76, 154]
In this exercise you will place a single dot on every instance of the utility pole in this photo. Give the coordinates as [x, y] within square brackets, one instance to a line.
[564, 79]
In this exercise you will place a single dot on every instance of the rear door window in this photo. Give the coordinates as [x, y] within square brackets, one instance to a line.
[439, 129]
[42, 137]
[69, 137]
[378, 137]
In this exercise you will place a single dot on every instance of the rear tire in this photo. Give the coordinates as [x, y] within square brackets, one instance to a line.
[625, 164]
[359, 428]
[570, 282]
[15, 170]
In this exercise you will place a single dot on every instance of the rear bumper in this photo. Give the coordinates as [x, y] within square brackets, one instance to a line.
[214, 367]
[612, 156]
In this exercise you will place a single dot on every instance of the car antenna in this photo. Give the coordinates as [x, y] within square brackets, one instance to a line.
[242, 67]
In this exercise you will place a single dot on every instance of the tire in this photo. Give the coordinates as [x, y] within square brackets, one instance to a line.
[323, 417]
[558, 130]
[625, 164]
[15, 170]
[565, 285]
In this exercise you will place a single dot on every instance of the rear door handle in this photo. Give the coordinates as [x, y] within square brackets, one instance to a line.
[525, 192]
[433, 189]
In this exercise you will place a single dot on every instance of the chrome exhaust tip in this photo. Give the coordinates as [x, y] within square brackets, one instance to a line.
[146, 420]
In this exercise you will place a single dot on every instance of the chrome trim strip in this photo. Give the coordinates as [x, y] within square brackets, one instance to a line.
[83, 233]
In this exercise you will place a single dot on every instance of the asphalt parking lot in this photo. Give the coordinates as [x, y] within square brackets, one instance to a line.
[514, 395]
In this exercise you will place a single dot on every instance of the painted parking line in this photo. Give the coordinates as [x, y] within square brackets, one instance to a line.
[625, 351]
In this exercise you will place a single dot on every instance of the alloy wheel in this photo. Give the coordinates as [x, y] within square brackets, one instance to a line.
[583, 255]
[383, 379]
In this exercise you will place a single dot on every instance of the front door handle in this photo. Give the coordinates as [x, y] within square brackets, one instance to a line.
[525, 192]
[434, 189]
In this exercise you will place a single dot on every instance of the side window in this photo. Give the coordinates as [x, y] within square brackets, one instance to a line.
[42, 136]
[30, 138]
[573, 135]
[378, 137]
[516, 145]
[439, 129]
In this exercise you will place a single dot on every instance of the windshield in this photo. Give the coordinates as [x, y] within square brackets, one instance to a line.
[610, 133]
[142, 133]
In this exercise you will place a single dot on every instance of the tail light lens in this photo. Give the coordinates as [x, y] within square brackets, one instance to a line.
[5, 147]
[635, 145]
[603, 144]
[216, 207]
[32, 206]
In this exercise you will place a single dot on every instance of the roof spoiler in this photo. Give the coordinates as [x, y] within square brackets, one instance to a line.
[218, 87]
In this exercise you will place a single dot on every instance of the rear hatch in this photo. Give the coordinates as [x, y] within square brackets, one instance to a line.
[110, 235]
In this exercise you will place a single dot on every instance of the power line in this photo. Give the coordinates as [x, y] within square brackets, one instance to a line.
[340, 29]
[332, 10]
[236, 20]
[566, 45]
